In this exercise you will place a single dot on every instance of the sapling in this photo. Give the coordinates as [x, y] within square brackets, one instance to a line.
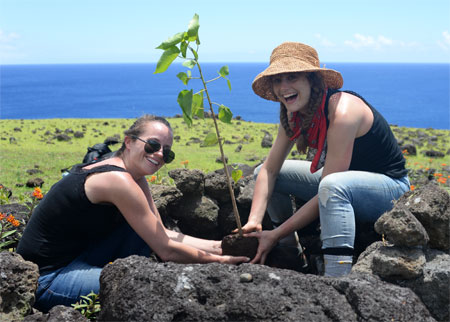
[179, 46]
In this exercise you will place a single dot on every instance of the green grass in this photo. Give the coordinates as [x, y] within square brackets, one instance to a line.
[36, 149]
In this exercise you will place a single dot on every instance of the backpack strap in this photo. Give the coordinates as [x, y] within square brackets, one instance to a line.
[78, 168]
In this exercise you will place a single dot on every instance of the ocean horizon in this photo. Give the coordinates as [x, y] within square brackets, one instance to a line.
[407, 94]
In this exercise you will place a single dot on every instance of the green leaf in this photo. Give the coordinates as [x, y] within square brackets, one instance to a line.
[224, 71]
[175, 39]
[210, 139]
[236, 174]
[183, 77]
[225, 114]
[166, 59]
[195, 54]
[8, 233]
[185, 102]
[197, 105]
[189, 63]
[183, 48]
[193, 27]
[6, 243]
[229, 84]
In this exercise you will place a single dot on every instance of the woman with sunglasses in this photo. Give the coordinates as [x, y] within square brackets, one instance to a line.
[103, 211]
[357, 167]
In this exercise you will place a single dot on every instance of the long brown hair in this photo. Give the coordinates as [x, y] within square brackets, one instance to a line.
[317, 89]
[137, 128]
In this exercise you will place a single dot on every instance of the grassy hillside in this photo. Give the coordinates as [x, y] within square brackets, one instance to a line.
[32, 144]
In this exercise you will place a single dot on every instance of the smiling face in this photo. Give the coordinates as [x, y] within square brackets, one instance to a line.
[293, 90]
[148, 163]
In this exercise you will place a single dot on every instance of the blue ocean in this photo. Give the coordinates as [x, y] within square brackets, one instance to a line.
[412, 95]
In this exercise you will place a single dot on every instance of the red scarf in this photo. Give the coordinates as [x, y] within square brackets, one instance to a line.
[315, 135]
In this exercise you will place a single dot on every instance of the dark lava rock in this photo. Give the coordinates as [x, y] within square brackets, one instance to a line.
[63, 137]
[137, 289]
[34, 171]
[35, 182]
[188, 181]
[267, 140]
[78, 134]
[57, 314]
[18, 284]
[434, 154]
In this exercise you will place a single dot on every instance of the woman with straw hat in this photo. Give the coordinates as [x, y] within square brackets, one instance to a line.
[357, 167]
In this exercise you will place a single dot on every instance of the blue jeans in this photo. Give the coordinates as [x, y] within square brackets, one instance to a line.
[344, 198]
[65, 285]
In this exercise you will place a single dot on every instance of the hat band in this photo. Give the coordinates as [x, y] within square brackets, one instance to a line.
[310, 60]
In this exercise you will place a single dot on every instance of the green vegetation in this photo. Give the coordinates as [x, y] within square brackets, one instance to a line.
[33, 148]
[89, 306]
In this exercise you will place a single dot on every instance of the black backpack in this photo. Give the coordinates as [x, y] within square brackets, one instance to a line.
[97, 153]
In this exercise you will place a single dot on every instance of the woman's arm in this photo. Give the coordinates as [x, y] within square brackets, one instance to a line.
[120, 189]
[349, 117]
[211, 246]
[266, 180]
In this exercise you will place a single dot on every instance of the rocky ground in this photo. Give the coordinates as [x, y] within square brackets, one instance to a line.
[403, 278]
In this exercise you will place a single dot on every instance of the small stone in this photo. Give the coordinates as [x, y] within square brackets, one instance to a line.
[245, 278]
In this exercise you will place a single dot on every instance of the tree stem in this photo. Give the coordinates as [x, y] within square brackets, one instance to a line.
[227, 174]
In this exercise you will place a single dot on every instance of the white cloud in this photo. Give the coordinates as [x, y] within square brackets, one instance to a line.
[384, 41]
[362, 41]
[324, 41]
[444, 43]
[8, 48]
[8, 37]
[446, 36]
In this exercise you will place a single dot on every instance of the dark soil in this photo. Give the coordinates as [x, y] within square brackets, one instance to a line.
[236, 245]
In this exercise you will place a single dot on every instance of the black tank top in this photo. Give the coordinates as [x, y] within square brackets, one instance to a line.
[377, 150]
[65, 222]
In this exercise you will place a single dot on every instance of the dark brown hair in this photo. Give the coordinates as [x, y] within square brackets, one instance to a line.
[317, 89]
[138, 127]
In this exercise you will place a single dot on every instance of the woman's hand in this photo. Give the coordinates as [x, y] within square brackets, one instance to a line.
[267, 240]
[249, 227]
[234, 259]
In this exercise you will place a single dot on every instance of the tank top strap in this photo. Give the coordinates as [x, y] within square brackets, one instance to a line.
[102, 168]
[329, 93]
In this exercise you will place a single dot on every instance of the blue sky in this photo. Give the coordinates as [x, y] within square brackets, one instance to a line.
[109, 31]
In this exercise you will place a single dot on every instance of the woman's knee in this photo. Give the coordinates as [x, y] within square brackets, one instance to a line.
[331, 187]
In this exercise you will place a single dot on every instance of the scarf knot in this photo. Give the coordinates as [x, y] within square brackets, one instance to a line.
[315, 135]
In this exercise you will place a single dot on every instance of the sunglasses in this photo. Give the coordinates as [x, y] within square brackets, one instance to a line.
[152, 146]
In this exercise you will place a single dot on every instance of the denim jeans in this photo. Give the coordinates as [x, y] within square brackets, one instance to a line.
[344, 199]
[65, 285]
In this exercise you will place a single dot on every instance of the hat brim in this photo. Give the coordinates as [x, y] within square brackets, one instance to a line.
[262, 85]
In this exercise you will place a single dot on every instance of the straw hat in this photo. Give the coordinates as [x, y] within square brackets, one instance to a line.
[293, 57]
